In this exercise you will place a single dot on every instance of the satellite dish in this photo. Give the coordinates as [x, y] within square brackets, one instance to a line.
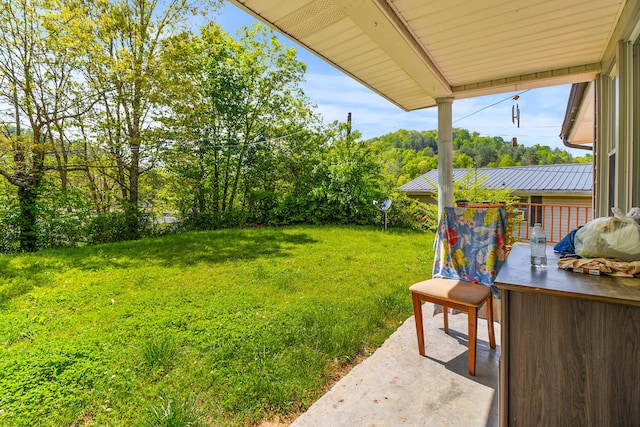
[384, 207]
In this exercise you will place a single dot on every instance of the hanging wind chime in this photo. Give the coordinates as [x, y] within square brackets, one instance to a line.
[515, 117]
[515, 111]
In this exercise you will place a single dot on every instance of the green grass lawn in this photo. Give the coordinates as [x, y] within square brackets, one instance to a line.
[213, 328]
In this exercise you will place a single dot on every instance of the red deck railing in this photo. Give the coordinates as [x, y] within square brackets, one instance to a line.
[556, 220]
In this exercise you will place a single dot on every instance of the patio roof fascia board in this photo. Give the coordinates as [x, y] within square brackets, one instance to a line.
[573, 106]
[579, 73]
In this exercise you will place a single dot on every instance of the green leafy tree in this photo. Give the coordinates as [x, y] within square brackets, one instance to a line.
[127, 60]
[348, 180]
[485, 154]
[39, 50]
[506, 160]
[238, 112]
[462, 160]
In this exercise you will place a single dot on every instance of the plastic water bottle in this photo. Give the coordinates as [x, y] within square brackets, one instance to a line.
[538, 246]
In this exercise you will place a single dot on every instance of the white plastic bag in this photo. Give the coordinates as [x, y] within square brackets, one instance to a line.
[610, 237]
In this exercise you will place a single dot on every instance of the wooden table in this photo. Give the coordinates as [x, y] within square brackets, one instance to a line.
[570, 343]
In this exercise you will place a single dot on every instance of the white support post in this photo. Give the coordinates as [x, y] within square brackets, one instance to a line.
[635, 143]
[625, 155]
[602, 141]
[445, 153]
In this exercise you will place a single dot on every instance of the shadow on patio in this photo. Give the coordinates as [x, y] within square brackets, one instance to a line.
[396, 386]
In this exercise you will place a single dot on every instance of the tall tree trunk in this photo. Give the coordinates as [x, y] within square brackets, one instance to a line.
[225, 185]
[62, 159]
[236, 178]
[122, 180]
[216, 181]
[27, 230]
[134, 175]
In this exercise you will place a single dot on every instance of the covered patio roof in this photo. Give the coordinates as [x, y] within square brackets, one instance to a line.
[413, 52]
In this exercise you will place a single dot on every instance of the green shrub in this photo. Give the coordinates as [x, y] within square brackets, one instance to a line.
[63, 230]
[9, 232]
[406, 212]
[295, 209]
[129, 224]
[204, 221]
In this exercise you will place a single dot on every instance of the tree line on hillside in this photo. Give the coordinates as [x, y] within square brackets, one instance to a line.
[407, 154]
[115, 112]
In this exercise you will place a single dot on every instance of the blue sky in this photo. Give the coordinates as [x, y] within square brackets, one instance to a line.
[336, 94]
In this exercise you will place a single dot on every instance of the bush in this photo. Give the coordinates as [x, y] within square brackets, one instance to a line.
[61, 216]
[406, 212]
[204, 221]
[260, 204]
[130, 224]
[295, 209]
[63, 230]
[9, 232]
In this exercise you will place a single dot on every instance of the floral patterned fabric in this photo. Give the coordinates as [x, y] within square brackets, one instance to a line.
[470, 244]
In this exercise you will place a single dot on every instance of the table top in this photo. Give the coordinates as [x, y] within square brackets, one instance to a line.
[517, 274]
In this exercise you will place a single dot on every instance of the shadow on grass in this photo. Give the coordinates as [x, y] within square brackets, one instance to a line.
[6, 271]
[17, 281]
[180, 250]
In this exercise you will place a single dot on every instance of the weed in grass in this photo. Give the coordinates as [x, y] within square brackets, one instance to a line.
[170, 413]
[159, 352]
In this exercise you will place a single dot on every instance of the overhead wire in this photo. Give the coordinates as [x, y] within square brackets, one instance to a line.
[264, 141]
[493, 105]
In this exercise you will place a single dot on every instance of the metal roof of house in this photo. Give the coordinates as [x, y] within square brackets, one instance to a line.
[543, 179]
[413, 52]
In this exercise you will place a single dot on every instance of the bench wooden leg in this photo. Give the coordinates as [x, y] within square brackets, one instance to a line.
[492, 334]
[473, 323]
[417, 313]
[445, 316]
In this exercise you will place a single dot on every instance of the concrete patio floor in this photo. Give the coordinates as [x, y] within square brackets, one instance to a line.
[396, 386]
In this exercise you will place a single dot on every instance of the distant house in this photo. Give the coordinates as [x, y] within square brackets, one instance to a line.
[555, 185]
[565, 184]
